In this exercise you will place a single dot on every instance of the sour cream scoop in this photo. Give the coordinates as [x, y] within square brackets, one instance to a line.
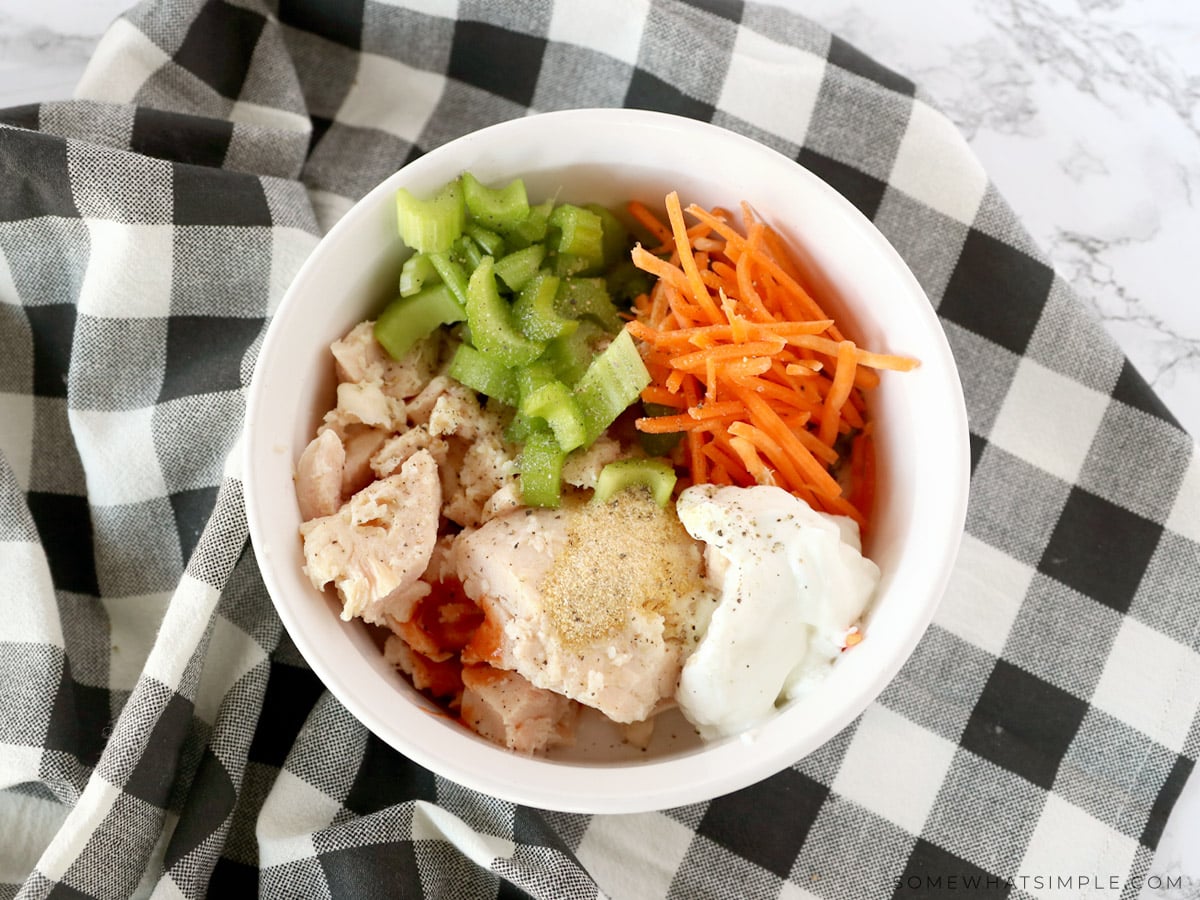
[792, 582]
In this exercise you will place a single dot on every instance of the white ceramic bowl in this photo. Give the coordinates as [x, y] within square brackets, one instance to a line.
[610, 156]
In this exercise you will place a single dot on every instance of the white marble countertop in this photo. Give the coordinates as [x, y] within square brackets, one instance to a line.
[1086, 113]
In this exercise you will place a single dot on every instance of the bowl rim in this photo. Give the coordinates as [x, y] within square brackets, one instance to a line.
[670, 782]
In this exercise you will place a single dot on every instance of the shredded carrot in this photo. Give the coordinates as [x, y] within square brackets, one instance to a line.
[650, 222]
[757, 378]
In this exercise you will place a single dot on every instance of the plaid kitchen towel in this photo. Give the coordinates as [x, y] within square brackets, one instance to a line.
[159, 734]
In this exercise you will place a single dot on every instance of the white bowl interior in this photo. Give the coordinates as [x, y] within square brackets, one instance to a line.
[610, 157]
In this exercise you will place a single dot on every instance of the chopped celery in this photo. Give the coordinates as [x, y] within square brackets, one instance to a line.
[521, 427]
[611, 383]
[579, 297]
[533, 229]
[533, 376]
[518, 267]
[407, 320]
[487, 240]
[616, 241]
[570, 355]
[467, 252]
[490, 321]
[567, 265]
[581, 234]
[656, 475]
[416, 273]
[500, 209]
[659, 444]
[530, 287]
[453, 275]
[626, 282]
[482, 373]
[535, 312]
[431, 226]
[540, 469]
[553, 402]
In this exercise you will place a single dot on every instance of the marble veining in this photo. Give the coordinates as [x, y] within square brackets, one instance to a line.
[1086, 114]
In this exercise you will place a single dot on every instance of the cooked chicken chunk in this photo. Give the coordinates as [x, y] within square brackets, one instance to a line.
[319, 476]
[392, 454]
[361, 443]
[375, 547]
[442, 678]
[365, 403]
[505, 708]
[361, 358]
[593, 601]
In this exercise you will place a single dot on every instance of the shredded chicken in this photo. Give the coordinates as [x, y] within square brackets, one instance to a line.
[319, 476]
[505, 708]
[375, 547]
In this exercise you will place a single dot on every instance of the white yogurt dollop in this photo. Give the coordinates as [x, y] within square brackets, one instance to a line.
[792, 582]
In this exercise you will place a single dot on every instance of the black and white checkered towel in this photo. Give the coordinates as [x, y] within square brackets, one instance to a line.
[160, 735]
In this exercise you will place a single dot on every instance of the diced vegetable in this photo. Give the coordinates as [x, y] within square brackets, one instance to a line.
[499, 209]
[588, 297]
[431, 226]
[453, 275]
[528, 287]
[533, 228]
[762, 385]
[519, 267]
[570, 355]
[490, 320]
[615, 240]
[611, 383]
[554, 402]
[485, 374]
[581, 234]
[658, 444]
[535, 309]
[487, 240]
[416, 273]
[407, 320]
[468, 252]
[656, 475]
[540, 469]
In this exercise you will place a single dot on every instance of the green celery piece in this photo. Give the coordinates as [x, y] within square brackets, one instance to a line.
[611, 383]
[581, 233]
[487, 240]
[539, 469]
[500, 209]
[616, 241]
[490, 320]
[533, 376]
[518, 267]
[466, 252]
[534, 228]
[452, 273]
[482, 373]
[656, 475]
[659, 444]
[407, 320]
[580, 297]
[416, 273]
[567, 265]
[431, 226]
[554, 402]
[535, 310]
[626, 282]
[521, 427]
[570, 355]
